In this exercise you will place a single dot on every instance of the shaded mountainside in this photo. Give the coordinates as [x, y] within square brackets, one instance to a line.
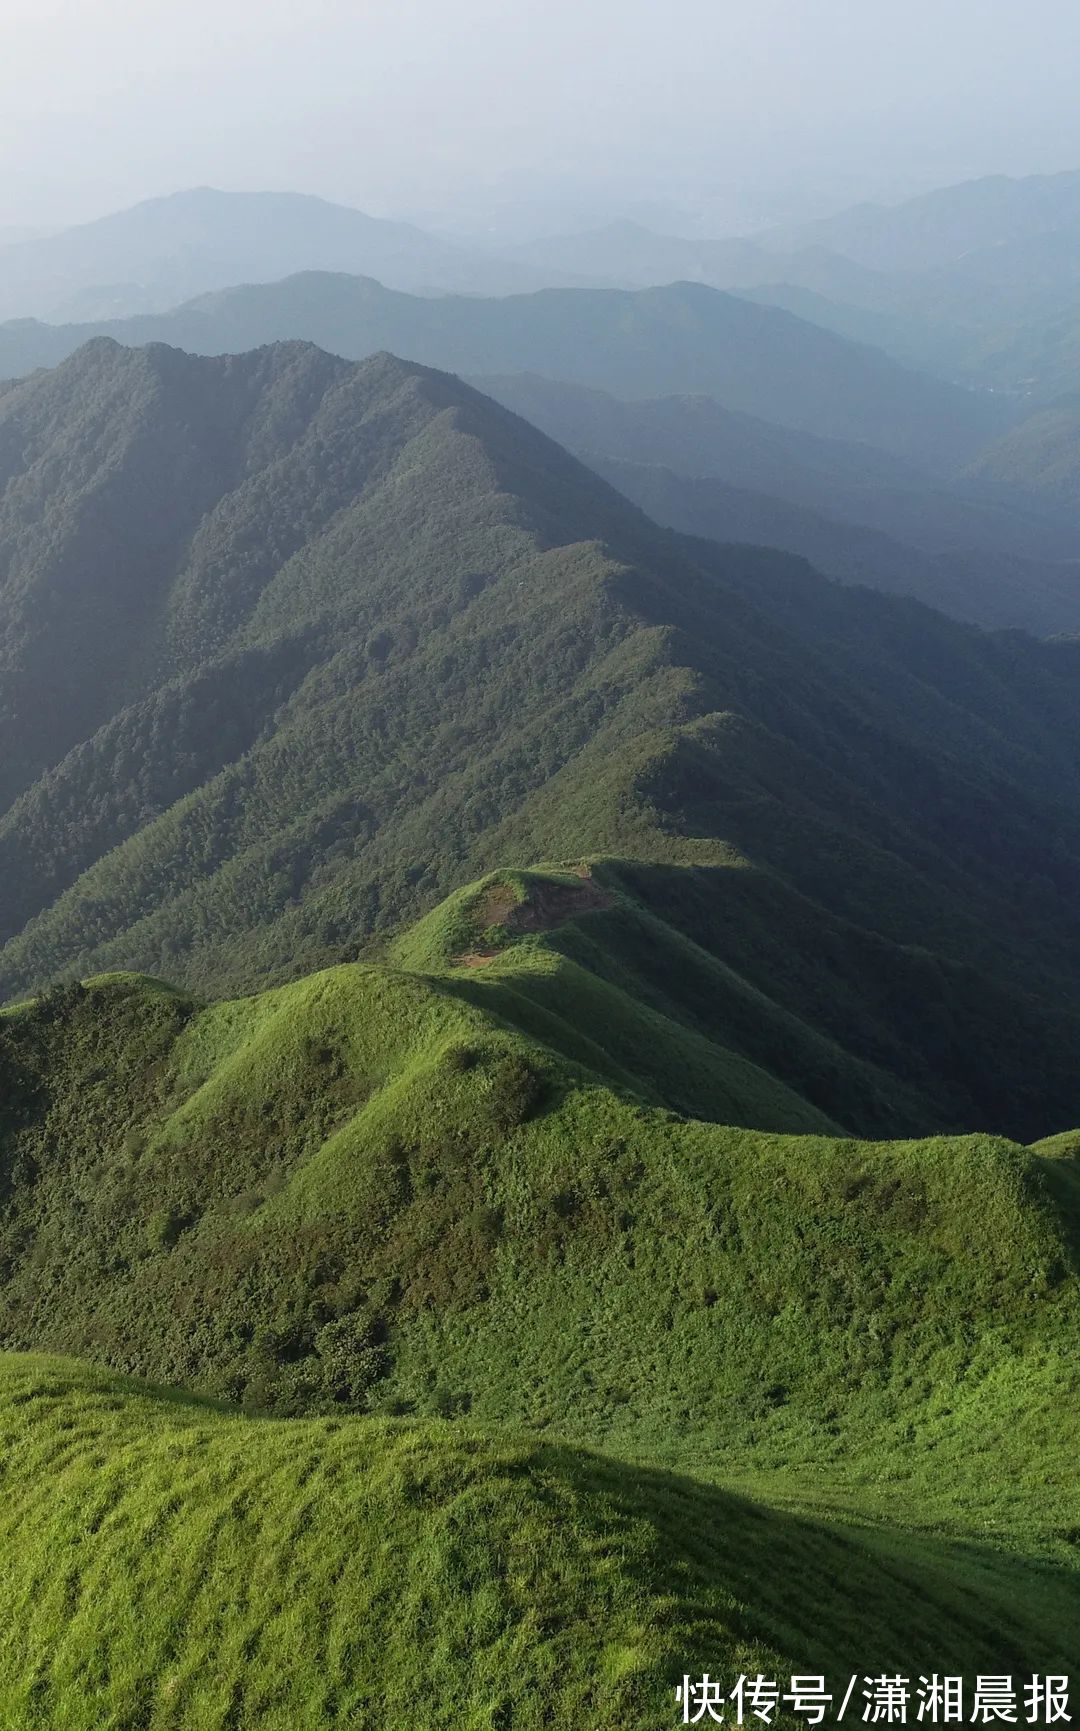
[383, 634]
[684, 337]
[1003, 320]
[892, 315]
[700, 468]
[1039, 457]
[697, 437]
[1039, 357]
[997, 590]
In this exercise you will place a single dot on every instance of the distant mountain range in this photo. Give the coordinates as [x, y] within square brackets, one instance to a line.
[988, 551]
[979, 281]
[941, 282]
[685, 337]
[696, 435]
[165, 250]
[970, 283]
[938, 228]
[989, 588]
[627, 254]
[1003, 320]
[845, 255]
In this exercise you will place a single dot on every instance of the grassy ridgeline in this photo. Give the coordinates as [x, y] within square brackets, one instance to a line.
[448, 1220]
[466, 1183]
[169, 1564]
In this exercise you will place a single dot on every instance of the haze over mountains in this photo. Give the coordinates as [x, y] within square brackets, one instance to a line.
[979, 282]
[934, 231]
[264, 234]
[942, 281]
[685, 337]
[1040, 457]
[993, 552]
[168, 249]
[942, 226]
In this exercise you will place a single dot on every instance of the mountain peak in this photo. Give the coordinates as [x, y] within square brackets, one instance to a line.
[168, 249]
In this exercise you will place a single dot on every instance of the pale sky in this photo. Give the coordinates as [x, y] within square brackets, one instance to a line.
[447, 110]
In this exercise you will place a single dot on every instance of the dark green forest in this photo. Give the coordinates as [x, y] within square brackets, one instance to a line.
[332, 638]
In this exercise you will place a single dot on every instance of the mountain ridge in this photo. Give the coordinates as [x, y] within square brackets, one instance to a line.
[165, 250]
[937, 227]
[637, 343]
[409, 638]
[970, 550]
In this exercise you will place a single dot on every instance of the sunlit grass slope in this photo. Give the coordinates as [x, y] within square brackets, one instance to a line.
[461, 1183]
[172, 1564]
[546, 1382]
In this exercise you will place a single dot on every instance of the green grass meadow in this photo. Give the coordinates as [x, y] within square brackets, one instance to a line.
[514, 1390]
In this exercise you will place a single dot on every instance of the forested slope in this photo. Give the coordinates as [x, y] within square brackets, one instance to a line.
[384, 634]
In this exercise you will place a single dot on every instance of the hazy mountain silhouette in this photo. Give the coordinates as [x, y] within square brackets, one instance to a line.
[165, 250]
[686, 337]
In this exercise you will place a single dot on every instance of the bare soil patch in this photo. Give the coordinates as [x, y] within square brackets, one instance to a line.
[550, 905]
[547, 905]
